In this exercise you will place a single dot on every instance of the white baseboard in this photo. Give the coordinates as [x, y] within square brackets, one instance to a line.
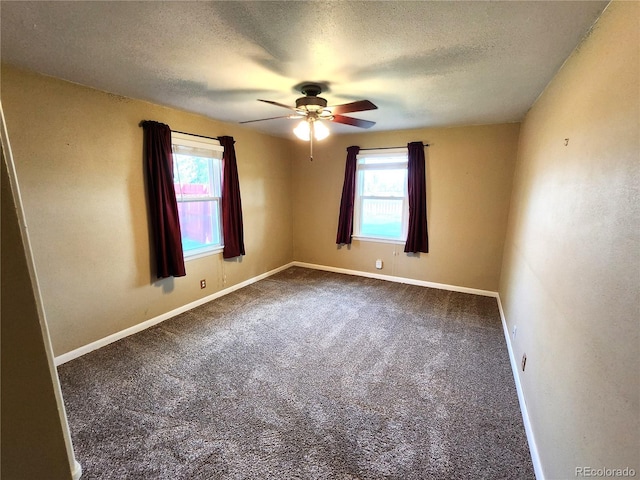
[77, 471]
[391, 278]
[533, 448]
[78, 352]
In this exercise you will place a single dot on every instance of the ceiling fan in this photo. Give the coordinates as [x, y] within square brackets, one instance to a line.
[312, 109]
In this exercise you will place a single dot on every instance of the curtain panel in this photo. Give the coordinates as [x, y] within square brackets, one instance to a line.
[345, 220]
[417, 235]
[232, 228]
[163, 206]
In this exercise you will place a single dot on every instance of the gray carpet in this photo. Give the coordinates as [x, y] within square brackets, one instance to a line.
[305, 375]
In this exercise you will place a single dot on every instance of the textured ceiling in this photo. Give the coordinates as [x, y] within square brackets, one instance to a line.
[423, 63]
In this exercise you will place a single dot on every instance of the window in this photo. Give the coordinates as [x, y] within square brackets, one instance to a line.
[381, 202]
[197, 178]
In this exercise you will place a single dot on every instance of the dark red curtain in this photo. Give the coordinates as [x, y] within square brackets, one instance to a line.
[232, 230]
[345, 220]
[417, 236]
[162, 200]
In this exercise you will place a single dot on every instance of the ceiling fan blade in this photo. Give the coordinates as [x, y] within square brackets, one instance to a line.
[356, 122]
[359, 106]
[270, 118]
[277, 104]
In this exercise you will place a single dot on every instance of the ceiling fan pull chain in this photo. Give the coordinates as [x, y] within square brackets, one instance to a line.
[312, 132]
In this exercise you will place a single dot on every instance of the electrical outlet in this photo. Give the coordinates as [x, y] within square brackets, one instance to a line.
[379, 264]
[203, 283]
[524, 361]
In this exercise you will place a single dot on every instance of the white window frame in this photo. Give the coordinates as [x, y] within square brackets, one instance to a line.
[395, 153]
[184, 139]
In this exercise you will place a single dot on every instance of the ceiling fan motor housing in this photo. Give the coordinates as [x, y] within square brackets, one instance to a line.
[311, 104]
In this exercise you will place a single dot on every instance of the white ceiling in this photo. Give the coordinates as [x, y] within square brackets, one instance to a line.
[423, 63]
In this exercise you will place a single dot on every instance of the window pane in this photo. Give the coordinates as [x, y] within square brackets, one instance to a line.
[196, 152]
[383, 159]
[191, 176]
[216, 172]
[197, 172]
[199, 224]
[381, 218]
[384, 183]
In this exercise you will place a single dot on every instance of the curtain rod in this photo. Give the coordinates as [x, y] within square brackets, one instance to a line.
[184, 133]
[389, 148]
[195, 135]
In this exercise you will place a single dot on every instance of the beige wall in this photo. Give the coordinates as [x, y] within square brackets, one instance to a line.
[571, 274]
[34, 445]
[78, 155]
[469, 172]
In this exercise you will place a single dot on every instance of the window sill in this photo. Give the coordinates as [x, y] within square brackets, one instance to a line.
[208, 253]
[378, 240]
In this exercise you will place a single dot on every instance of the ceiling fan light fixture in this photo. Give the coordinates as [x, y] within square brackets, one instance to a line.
[302, 131]
[305, 127]
[320, 131]
[325, 114]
